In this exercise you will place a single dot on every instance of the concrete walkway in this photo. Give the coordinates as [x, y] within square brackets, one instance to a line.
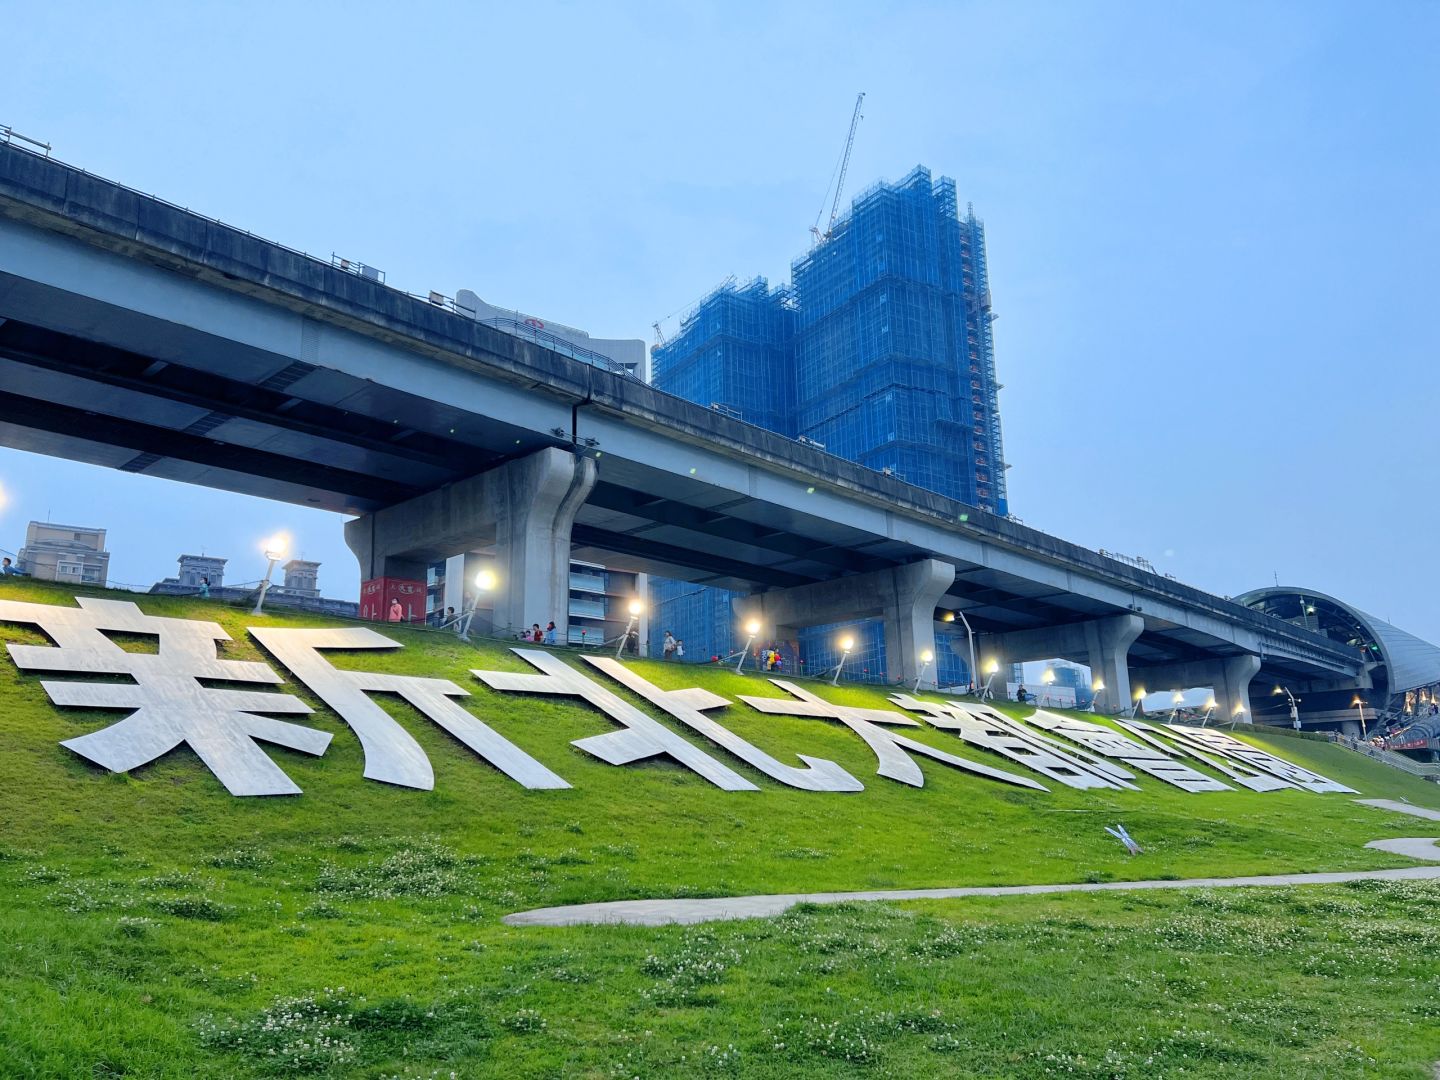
[1402, 808]
[661, 912]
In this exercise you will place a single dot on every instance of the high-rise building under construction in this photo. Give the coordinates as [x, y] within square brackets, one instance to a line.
[880, 351]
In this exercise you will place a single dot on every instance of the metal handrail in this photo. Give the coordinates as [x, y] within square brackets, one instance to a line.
[9, 134]
[557, 344]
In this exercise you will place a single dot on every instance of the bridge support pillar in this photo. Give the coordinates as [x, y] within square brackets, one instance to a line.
[1103, 644]
[904, 597]
[1229, 678]
[524, 509]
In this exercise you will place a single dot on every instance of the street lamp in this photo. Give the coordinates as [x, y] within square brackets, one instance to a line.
[1209, 708]
[1135, 705]
[974, 668]
[1364, 735]
[1294, 705]
[846, 644]
[752, 627]
[635, 607]
[484, 583]
[925, 659]
[1096, 689]
[1047, 679]
[1238, 715]
[274, 551]
[1175, 703]
[990, 671]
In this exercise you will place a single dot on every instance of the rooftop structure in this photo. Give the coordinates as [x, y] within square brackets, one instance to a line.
[74, 554]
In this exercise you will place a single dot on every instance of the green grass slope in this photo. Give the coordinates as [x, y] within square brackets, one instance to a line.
[154, 925]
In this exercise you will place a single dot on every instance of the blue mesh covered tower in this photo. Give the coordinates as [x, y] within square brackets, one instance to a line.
[881, 351]
[734, 354]
[893, 362]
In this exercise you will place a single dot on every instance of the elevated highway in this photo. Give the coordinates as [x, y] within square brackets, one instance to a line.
[147, 338]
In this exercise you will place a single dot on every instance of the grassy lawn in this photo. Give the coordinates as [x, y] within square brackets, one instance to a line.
[153, 925]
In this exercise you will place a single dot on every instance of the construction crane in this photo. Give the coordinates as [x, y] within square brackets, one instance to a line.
[660, 339]
[840, 177]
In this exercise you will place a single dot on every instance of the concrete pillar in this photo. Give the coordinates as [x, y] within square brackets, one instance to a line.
[1232, 688]
[910, 619]
[1228, 677]
[904, 597]
[1107, 645]
[1103, 644]
[524, 509]
[540, 496]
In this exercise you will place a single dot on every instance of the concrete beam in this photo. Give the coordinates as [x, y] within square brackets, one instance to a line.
[904, 597]
[524, 508]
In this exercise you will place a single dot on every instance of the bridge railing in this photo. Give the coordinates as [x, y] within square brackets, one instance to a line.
[10, 135]
[1423, 769]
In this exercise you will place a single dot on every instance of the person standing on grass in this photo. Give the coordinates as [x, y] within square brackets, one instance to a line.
[667, 647]
[396, 611]
[679, 649]
[205, 588]
[550, 635]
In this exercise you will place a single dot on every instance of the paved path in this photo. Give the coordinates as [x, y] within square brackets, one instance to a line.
[660, 912]
[1415, 847]
[1402, 808]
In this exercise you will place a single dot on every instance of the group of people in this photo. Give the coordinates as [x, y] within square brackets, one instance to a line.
[672, 648]
[548, 636]
[769, 659]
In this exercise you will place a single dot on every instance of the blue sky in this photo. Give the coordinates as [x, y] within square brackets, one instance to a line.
[1212, 227]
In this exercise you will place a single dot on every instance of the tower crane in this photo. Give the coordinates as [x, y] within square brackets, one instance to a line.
[840, 177]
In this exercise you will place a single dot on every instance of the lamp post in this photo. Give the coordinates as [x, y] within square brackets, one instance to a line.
[1175, 703]
[1135, 705]
[1364, 734]
[1096, 689]
[274, 552]
[846, 644]
[925, 659]
[635, 607]
[970, 634]
[1209, 708]
[752, 628]
[484, 582]
[990, 671]
[1047, 680]
[1294, 705]
[1238, 715]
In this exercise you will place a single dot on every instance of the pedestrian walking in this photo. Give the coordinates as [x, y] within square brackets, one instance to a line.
[667, 647]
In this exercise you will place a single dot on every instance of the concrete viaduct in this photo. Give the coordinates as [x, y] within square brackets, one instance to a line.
[147, 338]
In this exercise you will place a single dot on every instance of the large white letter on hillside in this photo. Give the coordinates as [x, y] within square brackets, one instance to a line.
[890, 748]
[688, 706]
[642, 736]
[391, 754]
[169, 705]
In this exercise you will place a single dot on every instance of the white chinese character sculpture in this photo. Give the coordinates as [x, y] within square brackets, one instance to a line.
[641, 737]
[1236, 751]
[1138, 755]
[890, 748]
[689, 705]
[169, 705]
[391, 753]
[984, 727]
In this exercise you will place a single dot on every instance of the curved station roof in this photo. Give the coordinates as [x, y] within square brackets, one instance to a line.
[1409, 662]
